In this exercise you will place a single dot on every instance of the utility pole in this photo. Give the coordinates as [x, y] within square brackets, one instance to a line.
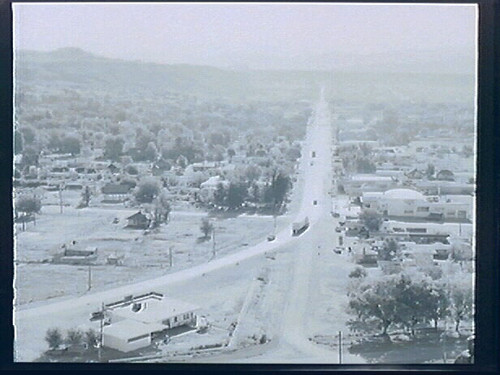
[214, 252]
[170, 258]
[101, 326]
[340, 347]
[90, 278]
[60, 198]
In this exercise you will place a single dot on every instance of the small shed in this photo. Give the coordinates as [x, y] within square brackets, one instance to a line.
[138, 221]
[445, 175]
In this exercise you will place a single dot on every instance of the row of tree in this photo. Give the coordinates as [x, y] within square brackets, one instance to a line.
[407, 299]
[236, 193]
[73, 338]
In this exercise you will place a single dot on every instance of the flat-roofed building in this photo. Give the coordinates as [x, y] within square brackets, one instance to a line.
[134, 321]
[128, 335]
[411, 204]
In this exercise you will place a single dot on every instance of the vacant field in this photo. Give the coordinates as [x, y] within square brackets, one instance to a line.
[142, 256]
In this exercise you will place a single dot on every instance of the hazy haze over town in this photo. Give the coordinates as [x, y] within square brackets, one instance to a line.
[429, 38]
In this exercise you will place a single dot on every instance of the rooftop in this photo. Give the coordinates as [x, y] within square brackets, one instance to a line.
[128, 328]
[370, 177]
[403, 194]
[153, 310]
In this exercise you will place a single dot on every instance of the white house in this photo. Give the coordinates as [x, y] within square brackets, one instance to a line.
[135, 321]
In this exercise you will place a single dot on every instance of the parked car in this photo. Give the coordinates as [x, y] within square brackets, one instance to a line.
[338, 250]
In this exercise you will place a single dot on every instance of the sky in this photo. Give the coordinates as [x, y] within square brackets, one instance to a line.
[275, 35]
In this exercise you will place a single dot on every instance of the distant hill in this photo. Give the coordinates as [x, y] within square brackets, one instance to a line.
[72, 67]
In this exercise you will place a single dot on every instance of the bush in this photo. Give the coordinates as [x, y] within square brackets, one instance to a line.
[358, 272]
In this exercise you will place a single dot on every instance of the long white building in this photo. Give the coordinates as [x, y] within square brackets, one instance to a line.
[408, 203]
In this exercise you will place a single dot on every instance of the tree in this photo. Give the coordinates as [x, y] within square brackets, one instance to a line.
[162, 208]
[236, 194]
[252, 173]
[439, 303]
[53, 338]
[131, 170]
[151, 152]
[86, 195]
[147, 191]
[279, 185]
[371, 220]
[415, 300]
[357, 273]
[91, 338]
[429, 172]
[113, 148]
[461, 301]
[29, 135]
[254, 194]
[375, 303]
[400, 300]
[74, 337]
[18, 142]
[220, 195]
[54, 141]
[389, 250]
[69, 145]
[364, 165]
[206, 227]
[365, 149]
[293, 153]
[30, 156]
[29, 206]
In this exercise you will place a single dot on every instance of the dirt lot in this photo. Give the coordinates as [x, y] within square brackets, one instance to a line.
[141, 256]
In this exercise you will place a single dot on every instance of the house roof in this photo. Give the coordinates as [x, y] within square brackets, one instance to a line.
[370, 177]
[115, 189]
[213, 182]
[403, 194]
[155, 311]
[137, 215]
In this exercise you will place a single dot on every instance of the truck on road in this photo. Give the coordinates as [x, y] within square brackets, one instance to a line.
[300, 226]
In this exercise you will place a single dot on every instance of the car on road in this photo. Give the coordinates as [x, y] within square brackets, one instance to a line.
[271, 237]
